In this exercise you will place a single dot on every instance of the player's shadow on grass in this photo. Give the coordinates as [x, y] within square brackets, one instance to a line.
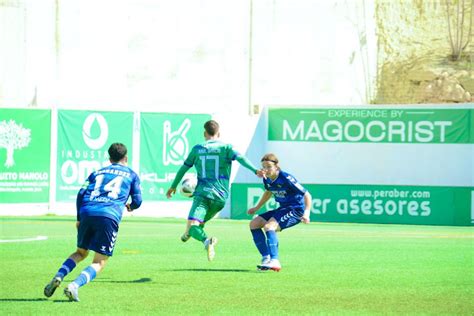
[214, 270]
[23, 299]
[142, 280]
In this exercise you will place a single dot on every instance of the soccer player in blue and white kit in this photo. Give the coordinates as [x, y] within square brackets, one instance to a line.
[295, 207]
[100, 203]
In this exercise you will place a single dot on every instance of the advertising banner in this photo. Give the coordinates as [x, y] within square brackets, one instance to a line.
[165, 141]
[404, 164]
[24, 155]
[420, 126]
[83, 140]
[372, 204]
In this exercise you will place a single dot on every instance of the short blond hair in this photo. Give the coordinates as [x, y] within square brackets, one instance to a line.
[271, 158]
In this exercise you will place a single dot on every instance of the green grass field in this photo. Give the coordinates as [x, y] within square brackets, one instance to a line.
[354, 269]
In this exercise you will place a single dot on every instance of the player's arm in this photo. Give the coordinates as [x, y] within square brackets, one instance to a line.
[188, 163]
[184, 168]
[135, 194]
[80, 198]
[308, 200]
[248, 164]
[264, 199]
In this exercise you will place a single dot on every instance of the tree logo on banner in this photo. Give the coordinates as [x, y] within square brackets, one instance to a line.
[175, 144]
[90, 122]
[12, 137]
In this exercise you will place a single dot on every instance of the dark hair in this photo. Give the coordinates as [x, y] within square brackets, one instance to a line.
[270, 157]
[211, 127]
[117, 151]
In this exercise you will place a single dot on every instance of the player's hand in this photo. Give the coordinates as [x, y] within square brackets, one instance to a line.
[305, 219]
[170, 192]
[129, 207]
[261, 173]
[77, 225]
[252, 210]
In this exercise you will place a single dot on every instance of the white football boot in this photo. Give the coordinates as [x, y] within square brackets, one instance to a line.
[72, 292]
[265, 260]
[210, 245]
[263, 265]
[274, 265]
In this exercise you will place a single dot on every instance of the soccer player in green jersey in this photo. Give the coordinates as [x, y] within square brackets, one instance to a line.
[213, 162]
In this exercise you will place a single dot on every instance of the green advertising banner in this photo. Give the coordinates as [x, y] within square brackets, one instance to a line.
[24, 155]
[372, 204]
[434, 126]
[165, 141]
[83, 140]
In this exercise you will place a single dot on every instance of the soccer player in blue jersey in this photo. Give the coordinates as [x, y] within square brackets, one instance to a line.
[295, 207]
[100, 203]
[213, 162]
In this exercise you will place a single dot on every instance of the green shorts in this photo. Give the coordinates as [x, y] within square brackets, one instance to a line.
[204, 209]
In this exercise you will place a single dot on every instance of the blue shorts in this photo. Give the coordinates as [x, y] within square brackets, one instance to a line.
[97, 233]
[286, 216]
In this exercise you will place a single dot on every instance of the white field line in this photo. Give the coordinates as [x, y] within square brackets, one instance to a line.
[37, 238]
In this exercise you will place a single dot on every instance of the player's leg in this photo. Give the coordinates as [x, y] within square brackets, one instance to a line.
[196, 231]
[103, 243]
[283, 218]
[213, 207]
[272, 262]
[84, 234]
[196, 218]
[71, 262]
[271, 227]
[64, 270]
[86, 276]
[185, 237]
[259, 238]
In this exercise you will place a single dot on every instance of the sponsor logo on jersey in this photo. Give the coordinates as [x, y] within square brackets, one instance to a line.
[279, 194]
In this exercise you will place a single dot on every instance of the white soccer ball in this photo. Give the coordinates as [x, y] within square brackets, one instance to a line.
[188, 186]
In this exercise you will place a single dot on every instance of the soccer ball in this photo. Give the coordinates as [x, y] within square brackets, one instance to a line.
[187, 186]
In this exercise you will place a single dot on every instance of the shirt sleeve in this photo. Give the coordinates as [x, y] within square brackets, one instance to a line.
[243, 161]
[80, 196]
[266, 185]
[184, 168]
[295, 184]
[136, 193]
[188, 163]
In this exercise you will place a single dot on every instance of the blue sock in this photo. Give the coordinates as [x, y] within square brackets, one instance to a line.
[272, 242]
[66, 268]
[260, 241]
[86, 276]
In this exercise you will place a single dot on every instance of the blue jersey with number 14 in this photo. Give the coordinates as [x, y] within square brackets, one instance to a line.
[106, 192]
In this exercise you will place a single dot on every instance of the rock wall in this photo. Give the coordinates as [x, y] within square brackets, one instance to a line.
[414, 54]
